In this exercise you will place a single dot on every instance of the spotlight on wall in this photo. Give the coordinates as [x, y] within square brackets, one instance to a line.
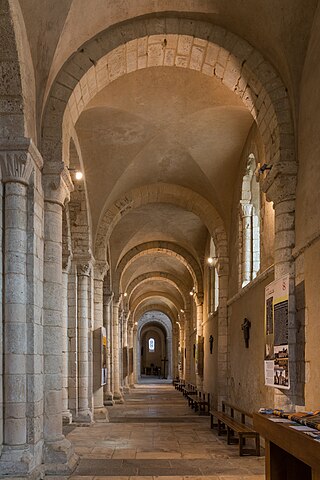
[210, 260]
[181, 310]
[125, 294]
[136, 323]
[78, 175]
[191, 293]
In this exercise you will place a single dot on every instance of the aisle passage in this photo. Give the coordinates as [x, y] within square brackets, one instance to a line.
[155, 435]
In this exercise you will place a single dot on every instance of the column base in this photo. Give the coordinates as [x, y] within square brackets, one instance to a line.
[84, 416]
[126, 389]
[100, 414]
[108, 399]
[19, 462]
[66, 418]
[118, 398]
[132, 385]
[59, 457]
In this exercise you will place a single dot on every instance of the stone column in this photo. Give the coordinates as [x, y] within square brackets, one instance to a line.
[246, 264]
[73, 339]
[199, 307]
[126, 388]
[66, 414]
[187, 348]
[222, 340]
[16, 171]
[107, 320]
[84, 412]
[59, 457]
[100, 412]
[130, 344]
[280, 187]
[115, 353]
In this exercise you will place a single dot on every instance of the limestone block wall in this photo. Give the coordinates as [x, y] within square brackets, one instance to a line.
[210, 378]
[246, 368]
[307, 219]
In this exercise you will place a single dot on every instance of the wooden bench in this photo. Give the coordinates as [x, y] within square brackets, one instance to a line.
[179, 386]
[200, 402]
[189, 389]
[227, 423]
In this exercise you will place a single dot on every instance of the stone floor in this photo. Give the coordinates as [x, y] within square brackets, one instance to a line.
[154, 434]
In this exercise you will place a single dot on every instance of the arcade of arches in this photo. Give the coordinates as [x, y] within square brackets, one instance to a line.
[195, 125]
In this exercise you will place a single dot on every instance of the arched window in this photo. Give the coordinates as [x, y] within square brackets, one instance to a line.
[152, 344]
[213, 284]
[249, 225]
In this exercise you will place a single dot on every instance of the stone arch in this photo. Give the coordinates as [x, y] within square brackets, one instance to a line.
[183, 43]
[166, 277]
[164, 325]
[148, 295]
[78, 210]
[17, 108]
[155, 307]
[169, 248]
[160, 193]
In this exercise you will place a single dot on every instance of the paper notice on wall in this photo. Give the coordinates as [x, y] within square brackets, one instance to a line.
[276, 364]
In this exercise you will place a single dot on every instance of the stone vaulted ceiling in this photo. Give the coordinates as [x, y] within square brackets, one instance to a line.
[161, 125]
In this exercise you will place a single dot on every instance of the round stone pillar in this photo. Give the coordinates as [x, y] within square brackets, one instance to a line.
[16, 171]
[66, 414]
[246, 264]
[84, 412]
[199, 369]
[15, 335]
[115, 353]
[100, 412]
[187, 348]
[131, 355]
[107, 320]
[126, 388]
[59, 457]
[280, 188]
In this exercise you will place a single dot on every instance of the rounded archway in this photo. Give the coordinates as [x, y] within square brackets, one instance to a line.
[154, 353]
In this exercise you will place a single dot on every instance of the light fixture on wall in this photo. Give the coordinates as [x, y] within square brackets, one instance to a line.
[78, 175]
[181, 310]
[193, 291]
[212, 261]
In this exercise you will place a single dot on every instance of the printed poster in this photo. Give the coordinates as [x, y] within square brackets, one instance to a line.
[276, 364]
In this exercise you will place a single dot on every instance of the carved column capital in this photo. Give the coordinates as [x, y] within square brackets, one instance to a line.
[57, 183]
[246, 209]
[100, 269]
[84, 269]
[16, 165]
[107, 298]
[279, 185]
[199, 299]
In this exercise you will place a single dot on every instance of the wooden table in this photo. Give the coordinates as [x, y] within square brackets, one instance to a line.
[290, 454]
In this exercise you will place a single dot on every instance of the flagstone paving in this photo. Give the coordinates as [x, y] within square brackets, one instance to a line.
[155, 435]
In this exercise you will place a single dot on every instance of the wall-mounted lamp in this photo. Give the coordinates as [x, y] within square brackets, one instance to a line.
[78, 175]
[181, 310]
[193, 291]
